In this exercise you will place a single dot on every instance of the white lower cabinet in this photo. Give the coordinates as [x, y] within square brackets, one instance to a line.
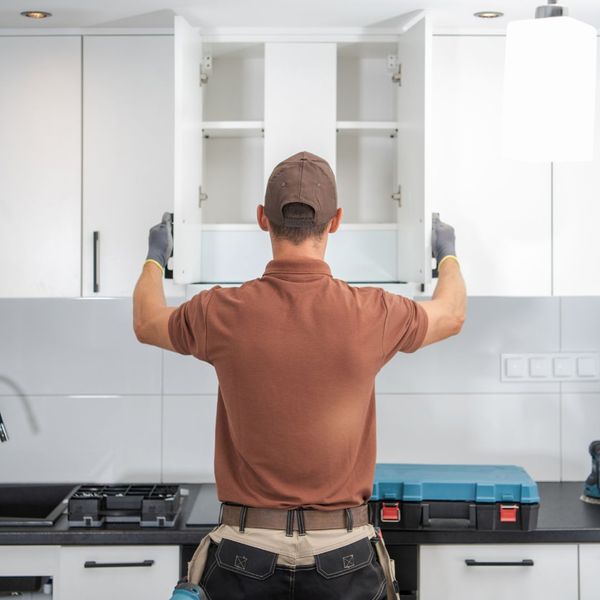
[552, 574]
[589, 566]
[117, 572]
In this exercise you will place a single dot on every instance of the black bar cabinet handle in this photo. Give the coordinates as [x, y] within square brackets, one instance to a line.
[92, 564]
[96, 257]
[522, 563]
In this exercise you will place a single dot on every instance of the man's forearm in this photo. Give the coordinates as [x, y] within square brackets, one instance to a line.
[451, 289]
[150, 307]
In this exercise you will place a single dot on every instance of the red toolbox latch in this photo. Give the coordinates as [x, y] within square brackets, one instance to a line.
[509, 513]
[390, 512]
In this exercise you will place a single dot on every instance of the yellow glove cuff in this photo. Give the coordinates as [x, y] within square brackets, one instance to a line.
[446, 258]
[154, 262]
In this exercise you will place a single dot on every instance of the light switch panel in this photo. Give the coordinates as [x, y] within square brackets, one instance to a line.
[557, 366]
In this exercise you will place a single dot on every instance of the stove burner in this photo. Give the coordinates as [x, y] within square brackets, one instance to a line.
[149, 505]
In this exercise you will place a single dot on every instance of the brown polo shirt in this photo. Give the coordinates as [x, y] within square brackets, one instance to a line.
[296, 354]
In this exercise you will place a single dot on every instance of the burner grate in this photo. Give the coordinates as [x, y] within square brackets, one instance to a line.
[150, 505]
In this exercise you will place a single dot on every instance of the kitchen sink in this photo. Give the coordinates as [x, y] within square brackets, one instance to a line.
[33, 504]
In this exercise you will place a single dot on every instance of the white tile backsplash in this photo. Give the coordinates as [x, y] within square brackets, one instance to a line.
[74, 346]
[188, 375]
[472, 428]
[580, 332]
[81, 439]
[470, 362]
[189, 438]
[580, 426]
[153, 413]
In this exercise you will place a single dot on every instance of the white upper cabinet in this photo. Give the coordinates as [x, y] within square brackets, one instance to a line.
[576, 218]
[40, 166]
[501, 209]
[262, 101]
[127, 155]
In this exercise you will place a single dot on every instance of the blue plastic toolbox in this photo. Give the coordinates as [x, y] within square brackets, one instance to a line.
[502, 497]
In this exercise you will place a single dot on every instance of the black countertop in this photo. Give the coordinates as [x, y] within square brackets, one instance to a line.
[563, 518]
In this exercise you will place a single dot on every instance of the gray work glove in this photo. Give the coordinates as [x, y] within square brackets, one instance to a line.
[160, 241]
[442, 239]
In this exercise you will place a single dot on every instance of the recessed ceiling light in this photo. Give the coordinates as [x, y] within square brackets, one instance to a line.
[488, 14]
[36, 14]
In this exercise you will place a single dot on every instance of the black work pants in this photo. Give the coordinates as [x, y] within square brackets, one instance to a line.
[236, 571]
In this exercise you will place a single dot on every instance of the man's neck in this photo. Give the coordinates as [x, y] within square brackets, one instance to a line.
[288, 251]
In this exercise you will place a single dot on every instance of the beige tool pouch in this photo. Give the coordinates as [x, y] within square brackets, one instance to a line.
[198, 562]
[389, 569]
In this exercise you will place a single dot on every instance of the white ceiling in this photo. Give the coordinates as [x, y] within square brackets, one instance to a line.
[446, 14]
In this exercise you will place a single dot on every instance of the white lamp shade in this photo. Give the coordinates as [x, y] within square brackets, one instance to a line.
[549, 90]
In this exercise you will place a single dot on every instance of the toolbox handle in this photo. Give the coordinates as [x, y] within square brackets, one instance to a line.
[527, 562]
[92, 564]
[450, 522]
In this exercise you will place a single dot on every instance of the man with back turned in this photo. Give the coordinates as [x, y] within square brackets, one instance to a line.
[296, 353]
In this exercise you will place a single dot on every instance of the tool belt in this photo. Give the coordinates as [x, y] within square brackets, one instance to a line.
[299, 519]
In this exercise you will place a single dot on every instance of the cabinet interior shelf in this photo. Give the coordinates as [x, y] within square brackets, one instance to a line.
[367, 128]
[233, 129]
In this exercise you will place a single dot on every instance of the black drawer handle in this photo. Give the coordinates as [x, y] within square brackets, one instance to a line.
[92, 564]
[522, 563]
[96, 258]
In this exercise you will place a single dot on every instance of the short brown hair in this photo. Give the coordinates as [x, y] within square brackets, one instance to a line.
[297, 235]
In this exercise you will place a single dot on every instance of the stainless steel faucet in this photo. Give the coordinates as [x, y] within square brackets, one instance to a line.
[3, 432]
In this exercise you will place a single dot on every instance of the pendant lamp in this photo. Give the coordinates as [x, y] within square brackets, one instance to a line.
[549, 88]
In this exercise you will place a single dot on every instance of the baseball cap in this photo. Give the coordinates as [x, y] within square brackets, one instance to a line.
[304, 178]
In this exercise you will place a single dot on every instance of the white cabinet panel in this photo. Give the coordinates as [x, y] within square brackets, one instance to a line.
[188, 153]
[127, 154]
[123, 582]
[501, 209]
[444, 574]
[300, 101]
[40, 165]
[413, 154]
[86, 439]
[576, 217]
[589, 565]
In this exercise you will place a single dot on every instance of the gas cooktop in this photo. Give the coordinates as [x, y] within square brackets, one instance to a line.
[148, 505]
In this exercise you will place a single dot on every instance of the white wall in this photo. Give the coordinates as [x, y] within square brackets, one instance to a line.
[83, 401]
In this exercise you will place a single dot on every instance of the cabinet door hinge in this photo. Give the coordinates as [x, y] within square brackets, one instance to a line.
[398, 196]
[205, 69]
[202, 197]
[395, 67]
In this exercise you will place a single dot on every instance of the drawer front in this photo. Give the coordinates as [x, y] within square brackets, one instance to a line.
[28, 560]
[497, 572]
[117, 572]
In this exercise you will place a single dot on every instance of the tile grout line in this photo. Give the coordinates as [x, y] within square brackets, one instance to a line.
[560, 396]
[162, 414]
[552, 229]
[81, 178]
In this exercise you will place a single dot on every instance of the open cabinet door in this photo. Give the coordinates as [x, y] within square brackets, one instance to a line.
[413, 106]
[188, 154]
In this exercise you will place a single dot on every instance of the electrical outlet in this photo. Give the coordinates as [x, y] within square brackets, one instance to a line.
[556, 366]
